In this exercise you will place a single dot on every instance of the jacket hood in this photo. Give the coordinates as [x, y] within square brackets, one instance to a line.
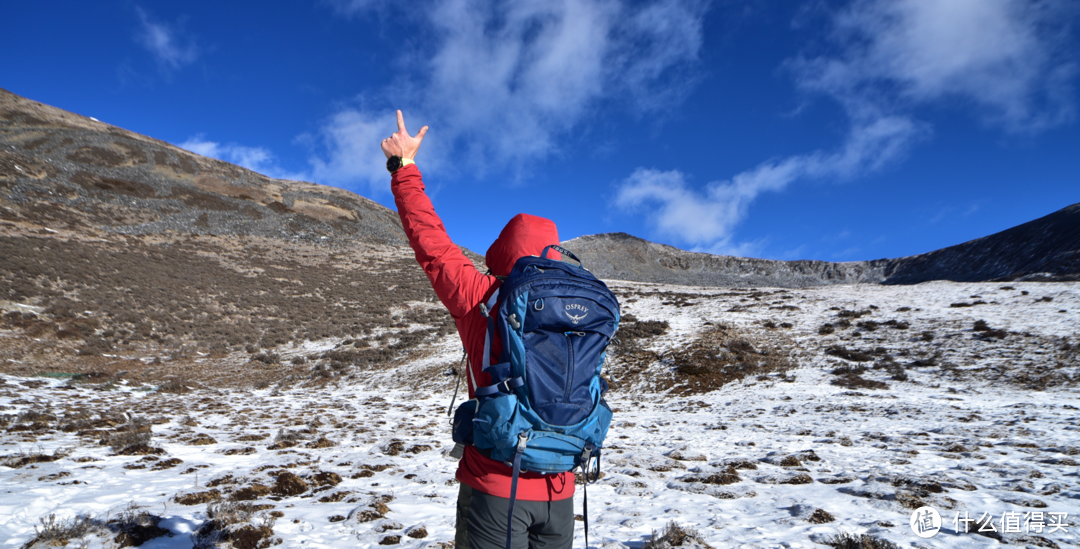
[523, 236]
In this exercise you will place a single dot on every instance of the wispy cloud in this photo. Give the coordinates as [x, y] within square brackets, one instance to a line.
[705, 219]
[352, 157]
[351, 8]
[1009, 60]
[505, 81]
[256, 159]
[167, 43]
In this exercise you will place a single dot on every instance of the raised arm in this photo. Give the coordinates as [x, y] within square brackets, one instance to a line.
[456, 281]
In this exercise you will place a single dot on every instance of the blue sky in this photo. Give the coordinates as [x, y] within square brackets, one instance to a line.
[788, 130]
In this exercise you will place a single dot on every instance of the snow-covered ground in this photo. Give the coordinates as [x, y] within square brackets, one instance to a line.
[746, 466]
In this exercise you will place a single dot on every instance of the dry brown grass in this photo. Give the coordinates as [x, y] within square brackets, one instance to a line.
[229, 298]
[720, 356]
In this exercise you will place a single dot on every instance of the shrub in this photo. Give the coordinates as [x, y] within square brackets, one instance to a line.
[988, 332]
[845, 540]
[854, 381]
[720, 357]
[846, 369]
[134, 528]
[197, 498]
[853, 314]
[121, 441]
[642, 329]
[234, 524]
[966, 304]
[174, 386]
[820, 516]
[868, 325]
[57, 533]
[727, 476]
[840, 351]
[26, 458]
[675, 535]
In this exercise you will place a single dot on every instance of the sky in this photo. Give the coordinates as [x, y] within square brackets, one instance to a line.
[816, 129]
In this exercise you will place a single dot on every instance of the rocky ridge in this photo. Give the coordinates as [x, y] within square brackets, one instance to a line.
[1046, 249]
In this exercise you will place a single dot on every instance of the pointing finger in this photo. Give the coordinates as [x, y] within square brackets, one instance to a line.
[401, 122]
[423, 131]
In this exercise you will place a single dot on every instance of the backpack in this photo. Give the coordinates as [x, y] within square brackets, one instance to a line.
[545, 410]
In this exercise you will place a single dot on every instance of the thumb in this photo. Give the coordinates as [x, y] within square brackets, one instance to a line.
[422, 132]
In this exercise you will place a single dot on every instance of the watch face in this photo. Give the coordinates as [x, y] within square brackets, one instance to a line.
[393, 163]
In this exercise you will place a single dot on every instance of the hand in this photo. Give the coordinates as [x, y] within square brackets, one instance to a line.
[401, 143]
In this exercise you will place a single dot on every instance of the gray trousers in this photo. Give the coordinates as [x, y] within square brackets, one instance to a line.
[481, 522]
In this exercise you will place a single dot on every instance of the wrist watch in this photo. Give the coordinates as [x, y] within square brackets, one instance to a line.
[395, 163]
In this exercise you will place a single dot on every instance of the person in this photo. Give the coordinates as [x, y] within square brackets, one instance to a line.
[544, 510]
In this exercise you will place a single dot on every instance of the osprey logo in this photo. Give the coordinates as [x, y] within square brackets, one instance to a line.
[576, 308]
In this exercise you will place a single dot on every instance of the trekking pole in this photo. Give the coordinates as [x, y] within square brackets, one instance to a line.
[457, 384]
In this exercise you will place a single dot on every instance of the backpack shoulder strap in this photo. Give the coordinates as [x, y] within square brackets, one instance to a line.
[485, 309]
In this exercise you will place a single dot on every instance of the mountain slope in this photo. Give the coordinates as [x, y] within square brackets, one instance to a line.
[122, 253]
[1046, 249]
[62, 170]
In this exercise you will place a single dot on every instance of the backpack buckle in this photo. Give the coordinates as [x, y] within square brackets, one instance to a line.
[523, 438]
[586, 458]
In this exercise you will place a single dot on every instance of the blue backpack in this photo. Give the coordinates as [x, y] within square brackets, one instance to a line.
[545, 410]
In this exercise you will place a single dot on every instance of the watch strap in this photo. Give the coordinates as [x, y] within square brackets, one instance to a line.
[395, 163]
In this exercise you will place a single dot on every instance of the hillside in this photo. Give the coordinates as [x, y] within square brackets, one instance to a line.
[60, 170]
[117, 246]
[1046, 249]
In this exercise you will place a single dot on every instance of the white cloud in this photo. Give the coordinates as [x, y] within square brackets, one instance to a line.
[170, 49]
[503, 83]
[705, 219]
[256, 159]
[1008, 59]
[353, 157]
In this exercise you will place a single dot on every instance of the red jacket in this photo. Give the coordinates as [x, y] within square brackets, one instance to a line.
[462, 288]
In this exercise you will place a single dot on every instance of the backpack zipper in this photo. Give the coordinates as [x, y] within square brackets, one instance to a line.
[570, 362]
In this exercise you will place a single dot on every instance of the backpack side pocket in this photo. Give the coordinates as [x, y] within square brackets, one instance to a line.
[463, 422]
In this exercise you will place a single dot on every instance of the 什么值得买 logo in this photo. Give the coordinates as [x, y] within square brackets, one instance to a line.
[925, 522]
[576, 308]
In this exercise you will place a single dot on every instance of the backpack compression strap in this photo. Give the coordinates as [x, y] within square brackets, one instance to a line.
[523, 439]
[507, 384]
[564, 251]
